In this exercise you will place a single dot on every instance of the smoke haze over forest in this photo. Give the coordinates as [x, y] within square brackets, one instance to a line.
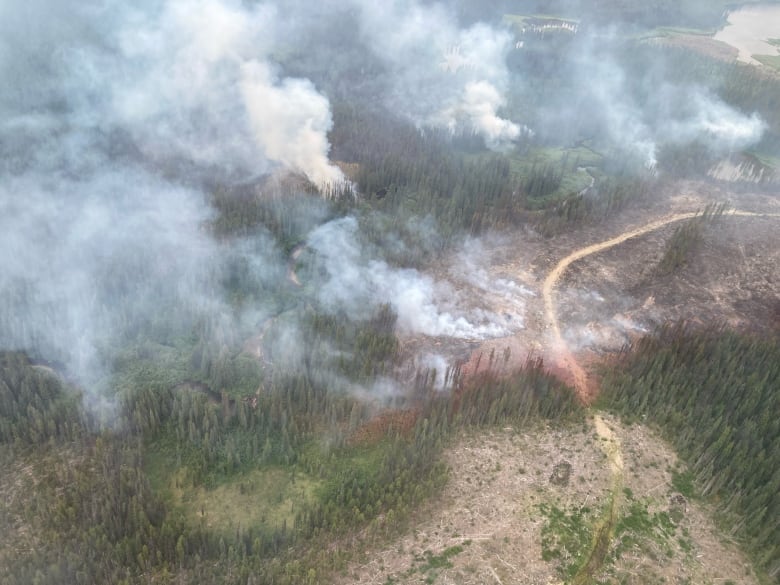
[275, 274]
[117, 121]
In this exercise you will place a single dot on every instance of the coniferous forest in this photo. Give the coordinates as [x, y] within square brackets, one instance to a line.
[714, 395]
[223, 229]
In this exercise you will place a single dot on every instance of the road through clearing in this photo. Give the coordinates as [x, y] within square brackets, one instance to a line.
[550, 283]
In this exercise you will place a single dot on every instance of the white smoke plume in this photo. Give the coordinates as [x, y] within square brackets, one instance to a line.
[86, 261]
[634, 112]
[505, 294]
[290, 121]
[443, 75]
[110, 114]
[113, 115]
[200, 80]
[477, 109]
[358, 285]
[709, 120]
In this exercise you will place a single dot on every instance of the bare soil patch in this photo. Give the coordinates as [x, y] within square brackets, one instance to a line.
[487, 524]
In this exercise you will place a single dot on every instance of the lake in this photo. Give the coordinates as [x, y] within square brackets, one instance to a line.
[749, 28]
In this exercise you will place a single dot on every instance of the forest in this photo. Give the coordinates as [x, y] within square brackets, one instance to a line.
[209, 309]
[713, 393]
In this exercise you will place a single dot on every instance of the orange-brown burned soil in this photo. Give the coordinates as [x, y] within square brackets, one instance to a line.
[586, 294]
[387, 422]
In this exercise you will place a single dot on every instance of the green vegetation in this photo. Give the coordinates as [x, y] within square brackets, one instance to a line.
[713, 393]
[667, 31]
[269, 496]
[567, 537]
[428, 564]
[227, 449]
[549, 175]
[683, 483]
[33, 407]
[772, 61]
[407, 174]
[639, 529]
[227, 488]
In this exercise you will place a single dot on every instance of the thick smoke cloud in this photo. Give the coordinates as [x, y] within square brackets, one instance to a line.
[197, 78]
[705, 118]
[86, 261]
[186, 81]
[113, 117]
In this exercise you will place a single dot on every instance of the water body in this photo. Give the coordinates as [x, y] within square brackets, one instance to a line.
[749, 29]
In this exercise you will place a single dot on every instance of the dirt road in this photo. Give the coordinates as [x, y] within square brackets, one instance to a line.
[605, 528]
[566, 357]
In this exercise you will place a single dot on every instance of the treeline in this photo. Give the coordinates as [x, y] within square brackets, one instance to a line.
[409, 172]
[686, 239]
[287, 207]
[89, 516]
[715, 394]
[592, 205]
[33, 407]
[747, 88]
[405, 172]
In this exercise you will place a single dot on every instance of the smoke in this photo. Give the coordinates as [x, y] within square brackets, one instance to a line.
[201, 81]
[441, 74]
[358, 285]
[478, 109]
[85, 262]
[185, 82]
[290, 121]
[707, 119]
[628, 104]
[115, 116]
[111, 117]
[439, 366]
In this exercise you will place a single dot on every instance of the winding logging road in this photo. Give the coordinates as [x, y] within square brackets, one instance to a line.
[552, 280]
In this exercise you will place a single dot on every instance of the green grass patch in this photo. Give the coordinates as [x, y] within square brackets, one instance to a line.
[772, 61]
[267, 497]
[683, 483]
[441, 561]
[150, 363]
[770, 161]
[672, 31]
[360, 463]
[520, 21]
[575, 168]
[577, 156]
[428, 565]
[567, 537]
